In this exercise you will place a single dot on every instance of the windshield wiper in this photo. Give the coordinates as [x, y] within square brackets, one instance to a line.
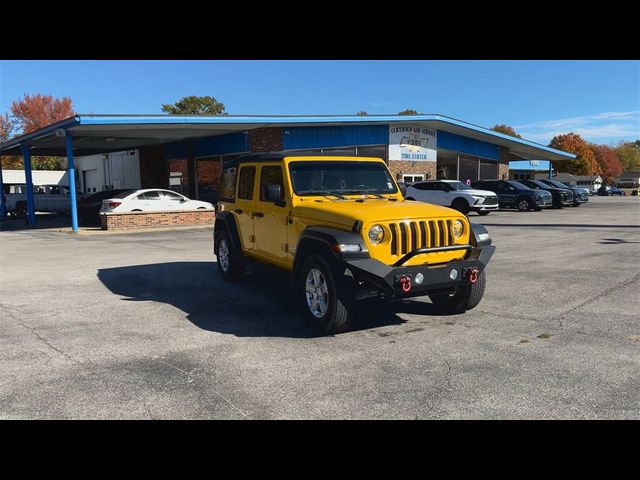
[363, 192]
[323, 193]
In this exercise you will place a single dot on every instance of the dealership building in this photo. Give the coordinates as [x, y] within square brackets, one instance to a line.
[186, 153]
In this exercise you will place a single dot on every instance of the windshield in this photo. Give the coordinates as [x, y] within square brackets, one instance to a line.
[557, 184]
[322, 177]
[518, 185]
[124, 194]
[459, 186]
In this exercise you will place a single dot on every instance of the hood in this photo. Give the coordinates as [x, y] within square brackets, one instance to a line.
[479, 193]
[346, 212]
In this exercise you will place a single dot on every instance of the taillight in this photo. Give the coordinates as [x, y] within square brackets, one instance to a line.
[113, 204]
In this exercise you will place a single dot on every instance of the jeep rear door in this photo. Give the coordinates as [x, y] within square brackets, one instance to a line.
[244, 205]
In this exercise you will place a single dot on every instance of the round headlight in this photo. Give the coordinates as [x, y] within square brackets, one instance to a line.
[458, 228]
[376, 234]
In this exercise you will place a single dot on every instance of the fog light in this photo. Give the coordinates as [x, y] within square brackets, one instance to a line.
[419, 278]
[453, 275]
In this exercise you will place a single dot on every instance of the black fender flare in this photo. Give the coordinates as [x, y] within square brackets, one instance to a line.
[326, 241]
[225, 221]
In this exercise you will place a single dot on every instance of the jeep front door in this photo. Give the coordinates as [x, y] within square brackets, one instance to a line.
[270, 215]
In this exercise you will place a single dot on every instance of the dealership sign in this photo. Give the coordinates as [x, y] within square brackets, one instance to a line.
[413, 143]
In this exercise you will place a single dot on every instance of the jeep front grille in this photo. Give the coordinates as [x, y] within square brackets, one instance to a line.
[409, 236]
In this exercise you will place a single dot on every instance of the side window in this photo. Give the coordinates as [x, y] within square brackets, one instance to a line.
[228, 184]
[172, 196]
[271, 175]
[421, 186]
[245, 184]
[55, 190]
[152, 195]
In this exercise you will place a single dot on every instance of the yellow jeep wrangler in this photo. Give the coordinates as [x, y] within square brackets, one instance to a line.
[341, 226]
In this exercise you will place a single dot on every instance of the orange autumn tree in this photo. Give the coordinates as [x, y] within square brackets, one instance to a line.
[585, 162]
[609, 162]
[36, 111]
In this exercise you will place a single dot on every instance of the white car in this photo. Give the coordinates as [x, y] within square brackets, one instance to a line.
[454, 194]
[151, 200]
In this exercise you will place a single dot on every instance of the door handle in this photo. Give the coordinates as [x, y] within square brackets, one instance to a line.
[238, 211]
[258, 214]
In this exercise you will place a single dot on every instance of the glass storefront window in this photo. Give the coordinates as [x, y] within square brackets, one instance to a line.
[447, 165]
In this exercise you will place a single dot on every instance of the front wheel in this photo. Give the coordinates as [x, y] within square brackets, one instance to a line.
[461, 205]
[524, 204]
[464, 298]
[484, 212]
[327, 308]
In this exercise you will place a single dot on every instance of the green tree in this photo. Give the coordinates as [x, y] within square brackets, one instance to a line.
[506, 129]
[408, 111]
[193, 105]
[629, 154]
[585, 162]
[362, 113]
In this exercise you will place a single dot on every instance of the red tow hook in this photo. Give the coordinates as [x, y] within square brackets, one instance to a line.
[473, 275]
[405, 283]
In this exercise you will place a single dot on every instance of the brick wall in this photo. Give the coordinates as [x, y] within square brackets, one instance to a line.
[503, 171]
[143, 220]
[209, 172]
[503, 164]
[399, 167]
[266, 140]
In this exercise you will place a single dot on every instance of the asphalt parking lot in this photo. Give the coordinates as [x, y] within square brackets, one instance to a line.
[141, 326]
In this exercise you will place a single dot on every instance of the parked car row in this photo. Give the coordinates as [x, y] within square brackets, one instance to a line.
[485, 196]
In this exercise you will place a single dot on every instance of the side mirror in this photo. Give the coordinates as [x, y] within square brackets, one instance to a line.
[274, 194]
[182, 200]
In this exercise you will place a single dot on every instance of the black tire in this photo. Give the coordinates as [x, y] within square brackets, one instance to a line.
[338, 306]
[524, 204]
[465, 298]
[201, 208]
[537, 209]
[482, 213]
[230, 267]
[410, 198]
[461, 205]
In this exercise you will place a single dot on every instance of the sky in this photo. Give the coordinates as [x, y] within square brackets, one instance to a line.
[599, 100]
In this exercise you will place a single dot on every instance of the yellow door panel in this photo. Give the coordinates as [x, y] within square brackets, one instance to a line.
[271, 215]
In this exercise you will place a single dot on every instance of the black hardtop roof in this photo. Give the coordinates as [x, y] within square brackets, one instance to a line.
[277, 156]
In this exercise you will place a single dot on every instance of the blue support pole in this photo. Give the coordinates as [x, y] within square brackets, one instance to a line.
[72, 183]
[31, 206]
[3, 207]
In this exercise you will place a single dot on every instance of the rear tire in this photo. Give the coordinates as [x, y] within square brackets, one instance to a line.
[230, 267]
[328, 309]
[483, 213]
[410, 198]
[465, 298]
[461, 205]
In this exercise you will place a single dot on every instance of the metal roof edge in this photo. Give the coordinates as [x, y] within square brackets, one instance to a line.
[26, 137]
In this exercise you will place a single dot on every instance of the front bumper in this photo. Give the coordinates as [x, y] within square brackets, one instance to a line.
[544, 202]
[375, 278]
[484, 208]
